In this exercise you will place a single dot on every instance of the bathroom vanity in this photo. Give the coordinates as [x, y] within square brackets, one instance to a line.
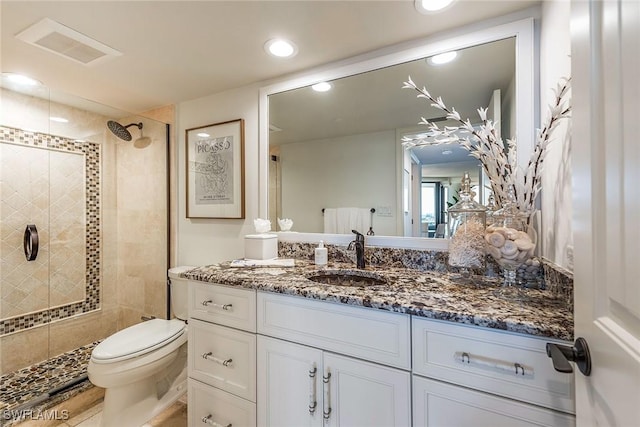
[269, 346]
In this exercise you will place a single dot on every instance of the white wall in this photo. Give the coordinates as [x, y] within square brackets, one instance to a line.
[353, 171]
[207, 241]
[556, 206]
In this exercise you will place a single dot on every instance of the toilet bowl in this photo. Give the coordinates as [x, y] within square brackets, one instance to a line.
[143, 368]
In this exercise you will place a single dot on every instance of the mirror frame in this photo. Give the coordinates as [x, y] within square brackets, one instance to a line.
[520, 25]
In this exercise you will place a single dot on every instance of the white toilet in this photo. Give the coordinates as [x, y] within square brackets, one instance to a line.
[144, 367]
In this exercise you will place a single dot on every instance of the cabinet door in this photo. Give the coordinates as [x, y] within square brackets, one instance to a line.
[438, 404]
[289, 384]
[365, 394]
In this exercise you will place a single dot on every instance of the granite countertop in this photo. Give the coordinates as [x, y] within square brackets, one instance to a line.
[430, 294]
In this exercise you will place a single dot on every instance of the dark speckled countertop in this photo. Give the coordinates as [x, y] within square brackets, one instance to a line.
[434, 295]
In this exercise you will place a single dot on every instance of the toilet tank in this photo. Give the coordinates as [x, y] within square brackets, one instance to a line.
[179, 291]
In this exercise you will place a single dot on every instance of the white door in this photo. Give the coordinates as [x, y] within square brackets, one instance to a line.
[289, 384]
[365, 394]
[606, 220]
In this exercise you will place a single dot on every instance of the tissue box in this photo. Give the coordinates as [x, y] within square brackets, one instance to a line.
[260, 246]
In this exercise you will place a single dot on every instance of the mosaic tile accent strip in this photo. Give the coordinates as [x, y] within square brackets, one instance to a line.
[91, 152]
[24, 385]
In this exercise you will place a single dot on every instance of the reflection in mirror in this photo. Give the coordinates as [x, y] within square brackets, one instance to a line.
[338, 148]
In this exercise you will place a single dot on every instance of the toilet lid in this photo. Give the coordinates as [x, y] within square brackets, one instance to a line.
[138, 339]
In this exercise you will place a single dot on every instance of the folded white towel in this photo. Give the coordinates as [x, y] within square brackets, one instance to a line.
[362, 220]
[348, 219]
[283, 262]
[343, 220]
[330, 221]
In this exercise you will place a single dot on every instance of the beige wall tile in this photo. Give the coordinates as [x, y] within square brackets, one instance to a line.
[24, 348]
[77, 331]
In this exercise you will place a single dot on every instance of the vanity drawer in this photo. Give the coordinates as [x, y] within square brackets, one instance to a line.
[437, 404]
[223, 357]
[223, 305]
[506, 364]
[210, 406]
[374, 335]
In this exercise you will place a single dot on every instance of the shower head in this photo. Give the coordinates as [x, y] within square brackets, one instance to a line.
[121, 131]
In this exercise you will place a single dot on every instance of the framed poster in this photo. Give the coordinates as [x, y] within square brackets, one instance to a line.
[215, 170]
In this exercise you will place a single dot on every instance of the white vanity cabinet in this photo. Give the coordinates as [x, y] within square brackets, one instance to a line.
[222, 356]
[307, 383]
[467, 375]
[274, 360]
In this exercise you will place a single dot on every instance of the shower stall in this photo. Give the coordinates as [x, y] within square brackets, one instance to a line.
[83, 235]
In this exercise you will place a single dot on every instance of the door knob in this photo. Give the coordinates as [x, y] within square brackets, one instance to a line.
[561, 355]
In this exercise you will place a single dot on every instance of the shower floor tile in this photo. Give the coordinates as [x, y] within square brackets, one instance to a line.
[35, 381]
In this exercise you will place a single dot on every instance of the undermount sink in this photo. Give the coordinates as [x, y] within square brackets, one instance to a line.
[347, 278]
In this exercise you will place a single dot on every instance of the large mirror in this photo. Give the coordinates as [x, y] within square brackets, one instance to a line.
[323, 152]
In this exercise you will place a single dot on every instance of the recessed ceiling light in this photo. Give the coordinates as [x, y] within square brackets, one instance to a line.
[321, 87]
[442, 58]
[21, 79]
[446, 152]
[203, 135]
[59, 119]
[430, 6]
[280, 48]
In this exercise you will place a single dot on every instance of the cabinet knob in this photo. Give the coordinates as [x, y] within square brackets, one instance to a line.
[561, 355]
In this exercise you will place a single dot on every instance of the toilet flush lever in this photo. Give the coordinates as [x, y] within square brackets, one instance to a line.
[224, 362]
[209, 302]
[208, 420]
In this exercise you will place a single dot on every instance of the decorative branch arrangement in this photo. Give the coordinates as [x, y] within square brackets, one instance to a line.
[498, 157]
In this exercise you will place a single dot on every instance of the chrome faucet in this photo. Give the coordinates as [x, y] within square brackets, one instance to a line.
[358, 245]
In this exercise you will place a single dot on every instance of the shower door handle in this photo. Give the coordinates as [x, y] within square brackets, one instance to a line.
[30, 242]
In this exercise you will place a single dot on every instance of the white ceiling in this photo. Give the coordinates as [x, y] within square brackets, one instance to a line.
[174, 51]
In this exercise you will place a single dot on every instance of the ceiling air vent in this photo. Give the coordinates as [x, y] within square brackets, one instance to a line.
[64, 41]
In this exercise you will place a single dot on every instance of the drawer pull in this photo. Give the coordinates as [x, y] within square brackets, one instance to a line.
[327, 404]
[210, 303]
[223, 362]
[209, 421]
[487, 362]
[313, 403]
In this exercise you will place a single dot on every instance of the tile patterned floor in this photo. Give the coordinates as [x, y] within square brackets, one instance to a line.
[19, 387]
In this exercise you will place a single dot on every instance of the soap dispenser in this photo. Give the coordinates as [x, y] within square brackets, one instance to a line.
[321, 255]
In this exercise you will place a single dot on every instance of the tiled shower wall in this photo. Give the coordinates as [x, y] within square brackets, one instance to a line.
[132, 231]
